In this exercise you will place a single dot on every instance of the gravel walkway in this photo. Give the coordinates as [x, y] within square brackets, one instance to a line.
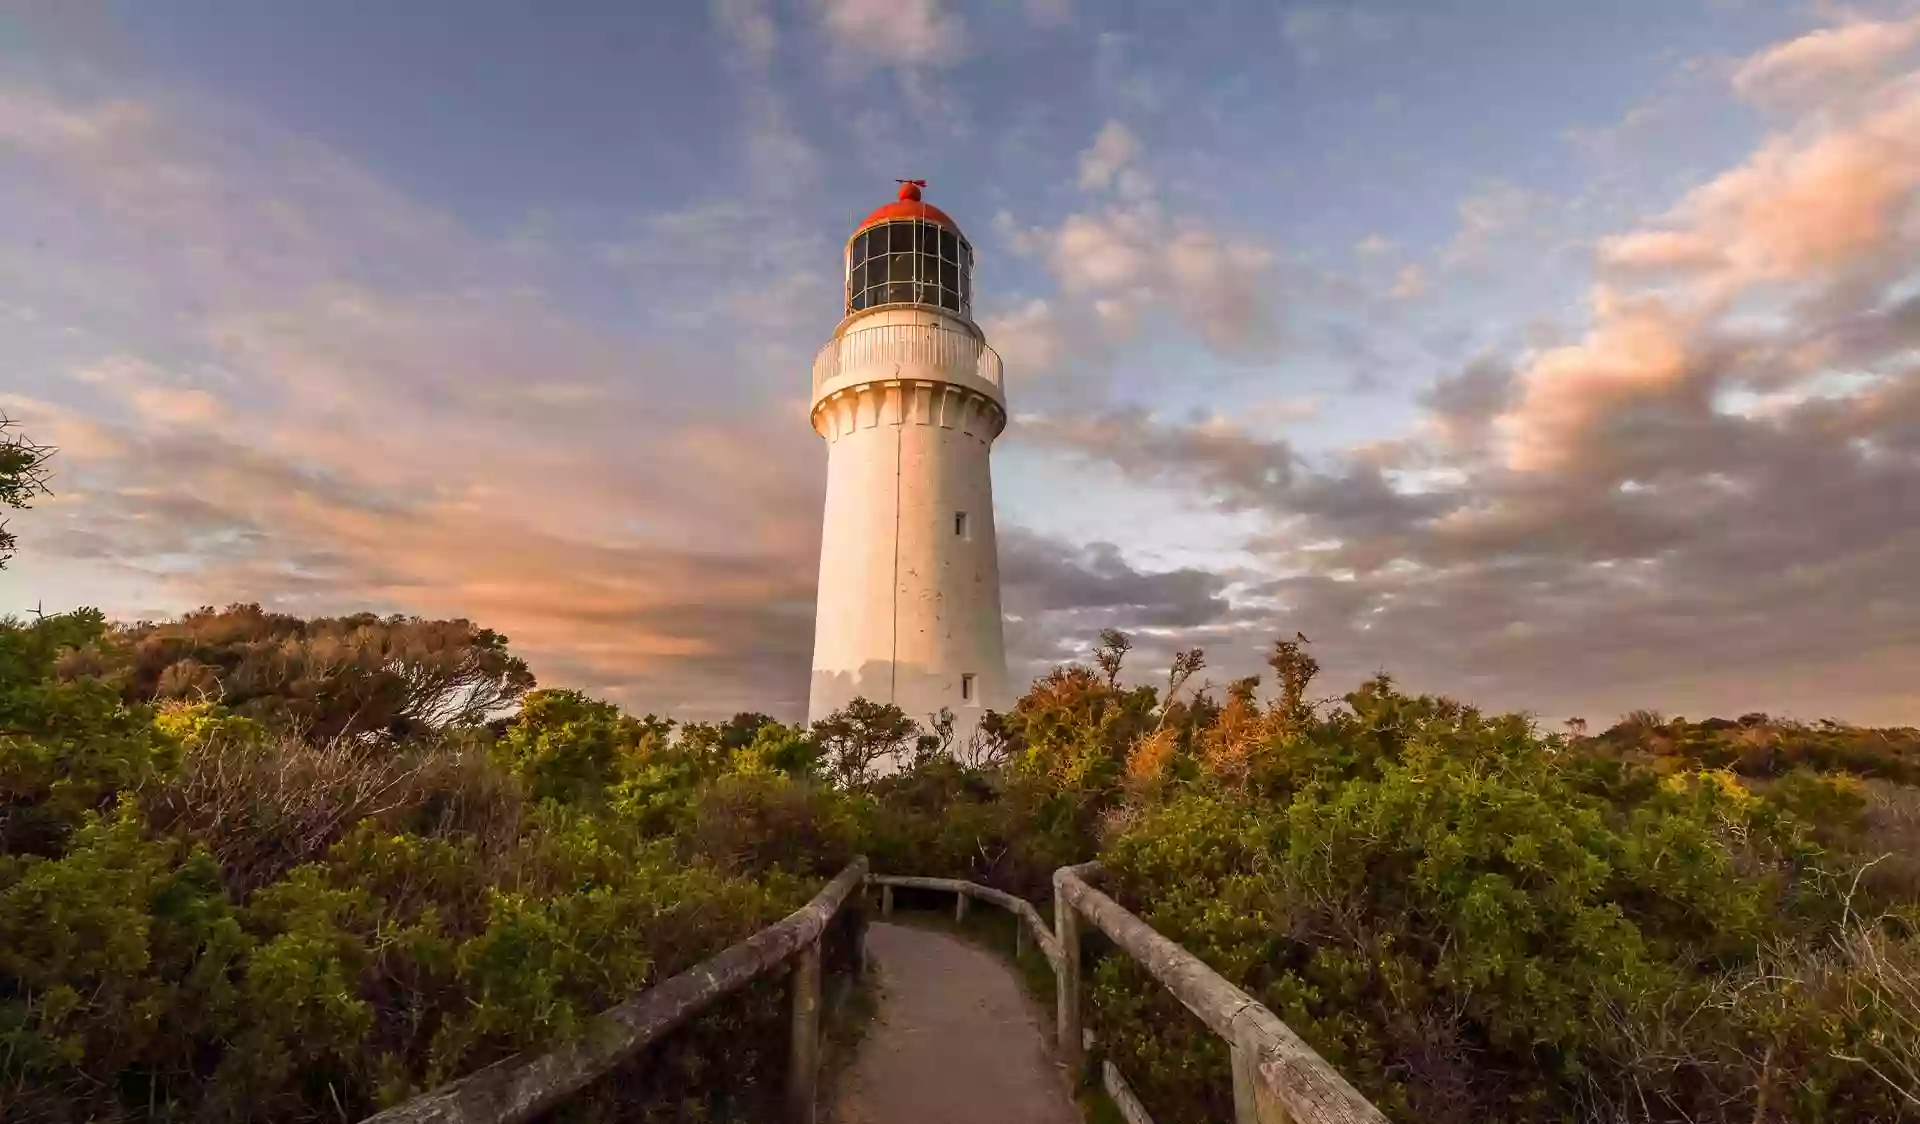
[954, 1041]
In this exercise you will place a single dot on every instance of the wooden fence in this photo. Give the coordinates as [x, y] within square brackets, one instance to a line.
[1277, 1078]
[522, 1087]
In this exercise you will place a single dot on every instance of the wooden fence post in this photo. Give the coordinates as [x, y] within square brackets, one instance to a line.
[1066, 930]
[804, 1056]
[886, 901]
[1252, 1103]
[959, 907]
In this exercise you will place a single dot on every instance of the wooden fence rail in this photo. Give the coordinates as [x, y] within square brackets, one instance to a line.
[1277, 1078]
[1030, 923]
[522, 1087]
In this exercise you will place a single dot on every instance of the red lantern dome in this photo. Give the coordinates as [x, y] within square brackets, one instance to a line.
[909, 206]
[909, 252]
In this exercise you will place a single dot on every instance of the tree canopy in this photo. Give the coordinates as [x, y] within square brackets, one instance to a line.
[23, 476]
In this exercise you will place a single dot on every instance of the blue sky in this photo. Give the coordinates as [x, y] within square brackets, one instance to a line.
[1549, 354]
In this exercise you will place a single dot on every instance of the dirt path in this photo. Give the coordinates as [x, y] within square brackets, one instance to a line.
[955, 1041]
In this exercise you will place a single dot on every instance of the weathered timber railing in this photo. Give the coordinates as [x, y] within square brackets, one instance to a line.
[1022, 910]
[522, 1087]
[1277, 1078]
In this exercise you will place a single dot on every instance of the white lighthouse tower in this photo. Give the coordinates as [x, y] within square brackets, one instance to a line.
[909, 398]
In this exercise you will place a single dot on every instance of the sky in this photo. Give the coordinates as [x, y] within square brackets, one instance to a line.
[1559, 357]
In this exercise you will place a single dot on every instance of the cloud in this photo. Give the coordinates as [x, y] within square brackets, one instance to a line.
[1220, 285]
[1236, 469]
[1111, 156]
[1058, 596]
[377, 410]
[1461, 406]
[1111, 253]
[902, 33]
[325, 397]
[1130, 257]
[1409, 284]
[296, 383]
[151, 395]
[1656, 251]
[655, 622]
[1838, 196]
[1706, 499]
[1494, 213]
[1638, 351]
[1278, 412]
[1033, 339]
[1826, 64]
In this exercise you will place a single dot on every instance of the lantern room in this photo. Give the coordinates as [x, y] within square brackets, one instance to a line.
[910, 252]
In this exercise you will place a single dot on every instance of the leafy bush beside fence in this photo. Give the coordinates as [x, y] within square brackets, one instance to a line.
[309, 875]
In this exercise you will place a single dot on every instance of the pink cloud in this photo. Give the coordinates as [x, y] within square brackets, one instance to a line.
[1804, 207]
[1660, 250]
[1826, 63]
[1637, 348]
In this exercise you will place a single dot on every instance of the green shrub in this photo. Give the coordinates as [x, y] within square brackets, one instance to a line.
[1444, 906]
[211, 909]
[66, 747]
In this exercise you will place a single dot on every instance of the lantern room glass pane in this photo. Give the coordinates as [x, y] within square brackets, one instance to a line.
[909, 262]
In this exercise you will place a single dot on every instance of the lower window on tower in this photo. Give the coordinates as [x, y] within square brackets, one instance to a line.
[966, 687]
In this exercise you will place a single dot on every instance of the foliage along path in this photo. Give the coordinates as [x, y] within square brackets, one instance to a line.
[955, 1041]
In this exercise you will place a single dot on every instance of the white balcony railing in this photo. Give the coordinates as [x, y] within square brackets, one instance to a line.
[898, 345]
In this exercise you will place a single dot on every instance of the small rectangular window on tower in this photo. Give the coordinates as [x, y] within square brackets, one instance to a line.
[960, 524]
[966, 687]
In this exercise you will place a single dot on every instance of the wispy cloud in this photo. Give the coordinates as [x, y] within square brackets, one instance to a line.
[904, 33]
[1129, 257]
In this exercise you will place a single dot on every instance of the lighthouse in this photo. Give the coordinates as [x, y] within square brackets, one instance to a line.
[909, 398]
